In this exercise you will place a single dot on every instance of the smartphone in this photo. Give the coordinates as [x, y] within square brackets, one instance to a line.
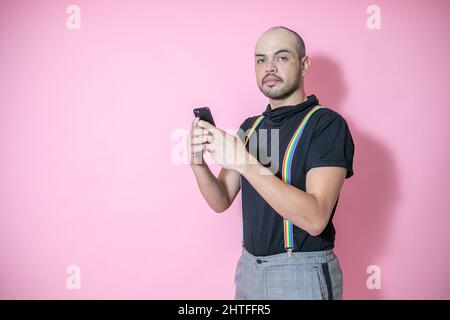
[204, 114]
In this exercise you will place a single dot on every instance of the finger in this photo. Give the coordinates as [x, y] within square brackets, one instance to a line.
[197, 148]
[205, 124]
[210, 148]
[199, 132]
[201, 139]
[194, 123]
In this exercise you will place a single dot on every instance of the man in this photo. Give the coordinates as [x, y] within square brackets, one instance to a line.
[288, 235]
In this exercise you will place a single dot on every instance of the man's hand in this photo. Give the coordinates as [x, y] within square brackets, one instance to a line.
[219, 192]
[196, 143]
[225, 148]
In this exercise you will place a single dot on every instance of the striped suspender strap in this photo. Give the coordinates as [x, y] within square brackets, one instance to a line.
[255, 124]
[286, 176]
[286, 170]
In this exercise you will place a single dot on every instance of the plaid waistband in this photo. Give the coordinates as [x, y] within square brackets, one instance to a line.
[312, 257]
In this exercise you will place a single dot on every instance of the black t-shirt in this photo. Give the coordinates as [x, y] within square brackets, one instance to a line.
[325, 141]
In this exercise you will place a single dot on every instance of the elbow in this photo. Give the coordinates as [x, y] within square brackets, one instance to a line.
[317, 227]
[316, 231]
[220, 208]
[320, 221]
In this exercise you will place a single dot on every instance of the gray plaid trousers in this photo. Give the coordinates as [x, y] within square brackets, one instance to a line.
[305, 275]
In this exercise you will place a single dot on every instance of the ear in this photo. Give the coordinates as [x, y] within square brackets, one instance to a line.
[306, 63]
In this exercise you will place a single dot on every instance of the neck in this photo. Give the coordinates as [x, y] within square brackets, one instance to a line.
[295, 98]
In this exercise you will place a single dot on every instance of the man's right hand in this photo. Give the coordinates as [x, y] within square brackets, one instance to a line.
[219, 192]
[196, 143]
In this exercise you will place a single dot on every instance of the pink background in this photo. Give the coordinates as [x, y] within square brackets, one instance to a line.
[86, 125]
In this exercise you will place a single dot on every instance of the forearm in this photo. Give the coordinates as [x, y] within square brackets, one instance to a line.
[212, 190]
[299, 207]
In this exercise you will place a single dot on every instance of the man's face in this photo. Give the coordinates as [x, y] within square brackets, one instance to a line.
[277, 65]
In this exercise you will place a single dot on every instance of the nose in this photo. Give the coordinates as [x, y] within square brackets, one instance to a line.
[270, 67]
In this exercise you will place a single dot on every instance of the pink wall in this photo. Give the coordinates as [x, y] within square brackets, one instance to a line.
[87, 118]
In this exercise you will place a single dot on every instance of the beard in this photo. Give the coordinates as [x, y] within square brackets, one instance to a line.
[281, 90]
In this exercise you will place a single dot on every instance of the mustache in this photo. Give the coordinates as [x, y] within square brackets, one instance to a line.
[273, 76]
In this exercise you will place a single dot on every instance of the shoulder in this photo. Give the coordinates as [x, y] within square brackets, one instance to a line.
[326, 113]
[326, 117]
[247, 123]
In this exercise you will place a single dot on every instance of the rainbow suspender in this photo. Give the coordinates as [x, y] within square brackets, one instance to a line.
[286, 170]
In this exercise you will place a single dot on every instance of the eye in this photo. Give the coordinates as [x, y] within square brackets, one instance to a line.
[283, 58]
[260, 61]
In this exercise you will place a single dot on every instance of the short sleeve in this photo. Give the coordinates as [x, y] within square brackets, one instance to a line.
[331, 144]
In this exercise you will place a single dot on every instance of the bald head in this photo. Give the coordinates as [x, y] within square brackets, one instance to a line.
[285, 34]
[280, 64]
